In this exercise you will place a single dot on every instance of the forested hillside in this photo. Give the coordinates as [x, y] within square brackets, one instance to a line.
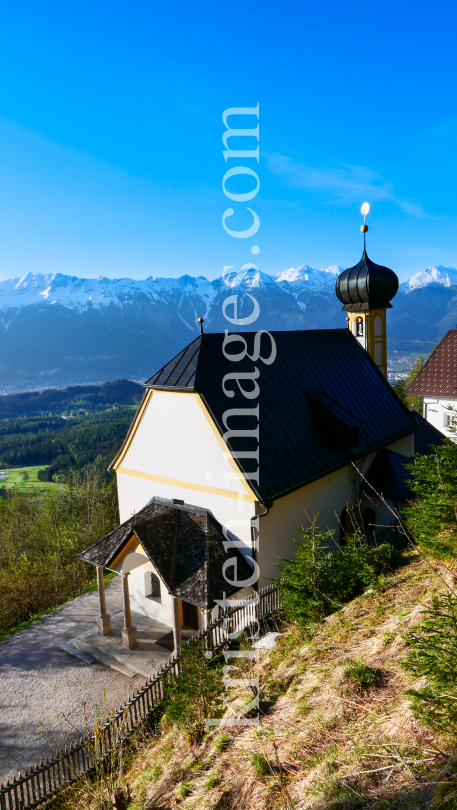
[66, 429]
[63, 444]
[74, 399]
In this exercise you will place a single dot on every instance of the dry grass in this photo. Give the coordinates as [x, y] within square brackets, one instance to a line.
[330, 736]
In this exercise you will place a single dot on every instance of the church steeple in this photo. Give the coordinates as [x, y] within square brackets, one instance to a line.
[366, 291]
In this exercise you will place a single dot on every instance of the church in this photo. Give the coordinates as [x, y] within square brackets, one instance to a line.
[240, 439]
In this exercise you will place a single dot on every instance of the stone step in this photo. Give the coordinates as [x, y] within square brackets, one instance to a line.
[103, 657]
[83, 656]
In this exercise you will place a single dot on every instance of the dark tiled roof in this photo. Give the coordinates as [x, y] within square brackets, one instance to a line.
[322, 402]
[389, 474]
[184, 543]
[426, 437]
[438, 378]
[179, 372]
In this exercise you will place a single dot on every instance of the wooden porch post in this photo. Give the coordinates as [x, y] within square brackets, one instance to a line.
[103, 618]
[128, 630]
[206, 619]
[176, 625]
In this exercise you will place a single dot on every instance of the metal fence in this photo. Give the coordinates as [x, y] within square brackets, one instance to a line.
[45, 780]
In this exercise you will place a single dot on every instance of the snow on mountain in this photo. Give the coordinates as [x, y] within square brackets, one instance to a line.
[315, 279]
[446, 276]
[80, 294]
[57, 330]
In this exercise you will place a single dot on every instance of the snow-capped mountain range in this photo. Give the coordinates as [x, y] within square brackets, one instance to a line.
[78, 294]
[57, 329]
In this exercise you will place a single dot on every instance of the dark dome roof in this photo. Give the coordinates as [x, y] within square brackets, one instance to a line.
[367, 285]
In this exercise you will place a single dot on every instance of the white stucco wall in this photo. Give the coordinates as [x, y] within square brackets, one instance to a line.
[435, 410]
[134, 493]
[160, 610]
[176, 444]
[404, 447]
[175, 440]
[325, 498]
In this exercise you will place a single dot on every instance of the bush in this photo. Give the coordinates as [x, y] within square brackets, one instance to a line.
[318, 582]
[433, 654]
[197, 694]
[42, 533]
[432, 517]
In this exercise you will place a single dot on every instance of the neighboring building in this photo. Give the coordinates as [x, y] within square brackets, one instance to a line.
[310, 427]
[437, 384]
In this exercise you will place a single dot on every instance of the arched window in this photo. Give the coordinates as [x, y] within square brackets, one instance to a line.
[151, 585]
[359, 327]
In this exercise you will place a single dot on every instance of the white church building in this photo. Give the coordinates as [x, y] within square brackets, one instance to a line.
[228, 455]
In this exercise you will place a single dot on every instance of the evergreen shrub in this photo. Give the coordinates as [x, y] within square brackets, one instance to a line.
[318, 581]
[432, 652]
[432, 516]
[432, 645]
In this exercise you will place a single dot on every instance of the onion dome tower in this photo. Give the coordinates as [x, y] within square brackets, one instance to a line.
[366, 291]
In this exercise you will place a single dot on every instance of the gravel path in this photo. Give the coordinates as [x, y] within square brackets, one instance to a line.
[39, 681]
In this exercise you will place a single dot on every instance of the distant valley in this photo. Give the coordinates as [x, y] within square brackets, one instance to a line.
[58, 330]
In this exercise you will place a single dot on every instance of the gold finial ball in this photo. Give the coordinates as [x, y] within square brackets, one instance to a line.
[200, 319]
[364, 228]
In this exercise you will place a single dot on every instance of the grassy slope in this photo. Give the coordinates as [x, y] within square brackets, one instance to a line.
[328, 744]
[15, 479]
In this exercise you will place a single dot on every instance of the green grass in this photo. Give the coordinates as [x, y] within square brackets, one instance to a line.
[360, 676]
[16, 479]
[221, 742]
[259, 765]
[183, 791]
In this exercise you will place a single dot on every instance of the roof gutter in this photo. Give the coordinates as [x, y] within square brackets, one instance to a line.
[267, 504]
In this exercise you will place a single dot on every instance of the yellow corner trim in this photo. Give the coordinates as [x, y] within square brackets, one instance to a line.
[129, 546]
[130, 436]
[186, 485]
[226, 450]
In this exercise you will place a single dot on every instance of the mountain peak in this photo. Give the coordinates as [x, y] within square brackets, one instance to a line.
[436, 274]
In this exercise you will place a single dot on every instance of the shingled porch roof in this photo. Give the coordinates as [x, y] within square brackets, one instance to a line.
[184, 543]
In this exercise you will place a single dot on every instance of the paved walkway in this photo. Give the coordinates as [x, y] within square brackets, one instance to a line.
[39, 681]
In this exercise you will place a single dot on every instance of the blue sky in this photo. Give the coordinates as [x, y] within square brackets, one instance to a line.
[111, 125]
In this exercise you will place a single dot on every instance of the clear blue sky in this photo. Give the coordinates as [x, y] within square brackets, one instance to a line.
[110, 134]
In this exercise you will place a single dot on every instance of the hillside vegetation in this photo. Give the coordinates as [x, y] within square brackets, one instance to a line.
[357, 701]
[336, 728]
[63, 445]
[41, 535]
